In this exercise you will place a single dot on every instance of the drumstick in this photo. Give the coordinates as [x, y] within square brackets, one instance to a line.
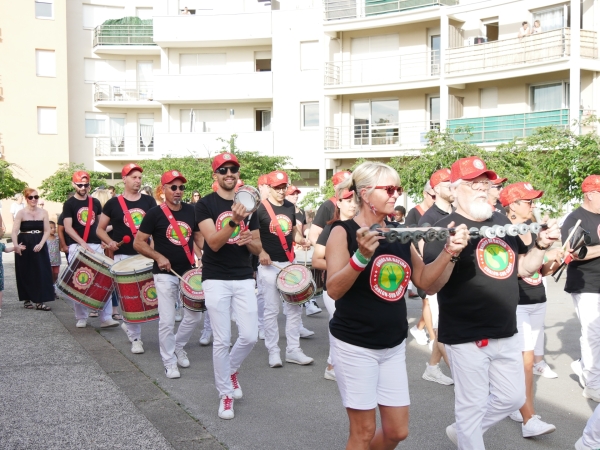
[185, 282]
[305, 251]
[285, 269]
[126, 240]
[564, 247]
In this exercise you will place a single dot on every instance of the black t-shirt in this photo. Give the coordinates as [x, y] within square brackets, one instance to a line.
[413, 217]
[322, 240]
[301, 216]
[532, 289]
[138, 209]
[77, 210]
[583, 276]
[166, 242]
[480, 299]
[432, 216]
[372, 313]
[325, 213]
[231, 262]
[60, 222]
[286, 216]
[499, 208]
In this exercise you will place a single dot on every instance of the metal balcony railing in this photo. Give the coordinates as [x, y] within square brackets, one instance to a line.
[122, 146]
[388, 69]
[378, 136]
[353, 9]
[124, 35]
[125, 91]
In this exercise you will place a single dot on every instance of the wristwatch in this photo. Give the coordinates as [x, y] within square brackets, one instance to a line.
[539, 247]
[232, 224]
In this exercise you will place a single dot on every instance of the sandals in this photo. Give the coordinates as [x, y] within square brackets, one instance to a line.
[41, 307]
[93, 314]
[117, 317]
[27, 305]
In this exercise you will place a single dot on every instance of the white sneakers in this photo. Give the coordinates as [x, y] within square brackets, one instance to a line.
[237, 389]
[577, 369]
[81, 323]
[451, 433]
[110, 323]
[275, 360]
[206, 337]
[516, 416]
[172, 371]
[137, 346]
[298, 357]
[226, 407]
[419, 335]
[261, 334]
[435, 374]
[305, 332]
[330, 374]
[312, 308]
[592, 394]
[536, 427]
[579, 445]
[182, 358]
[544, 370]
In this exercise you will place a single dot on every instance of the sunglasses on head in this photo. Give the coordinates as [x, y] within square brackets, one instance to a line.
[31, 197]
[82, 185]
[389, 189]
[223, 170]
[174, 187]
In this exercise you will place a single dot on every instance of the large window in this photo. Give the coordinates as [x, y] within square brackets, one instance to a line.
[375, 122]
[374, 58]
[549, 96]
[202, 63]
[109, 128]
[146, 132]
[47, 123]
[551, 19]
[203, 120]
[44, 9]
[309, 55]
[45, 63]
[310, 115]
[434, 113]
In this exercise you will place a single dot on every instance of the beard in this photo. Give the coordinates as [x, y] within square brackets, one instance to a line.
[480, 210]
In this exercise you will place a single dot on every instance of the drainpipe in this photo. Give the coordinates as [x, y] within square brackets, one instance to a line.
[575, 67]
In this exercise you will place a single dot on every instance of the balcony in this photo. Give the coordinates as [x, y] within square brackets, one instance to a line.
[395, 70]
[214, 88]
[203, 145]
[125, 40]
[122, 148]
[124, 94]
[358, 9]
[526, 53]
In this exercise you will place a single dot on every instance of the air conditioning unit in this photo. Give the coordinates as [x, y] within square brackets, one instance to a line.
[475, 40]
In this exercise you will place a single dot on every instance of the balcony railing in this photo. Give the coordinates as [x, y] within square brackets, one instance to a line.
[126, 146]
[541, 47]
[389, 69]
[353, 9]
[123, 35]
[122, 91]
[376, 137]
[205, 144]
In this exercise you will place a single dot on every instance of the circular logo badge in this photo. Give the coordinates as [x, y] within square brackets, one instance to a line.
[223, 220]
[175, 173]
[137, 215]
[389, 277]
[82, 216]
[149, 295]
[83, 278]
[226, 156]
[284, 222]
[186, 231]
[478, 164]
[528, 186]
[534, 279]
[495, 258]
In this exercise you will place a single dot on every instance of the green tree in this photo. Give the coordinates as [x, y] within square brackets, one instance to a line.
[9, 184]
[57, 187]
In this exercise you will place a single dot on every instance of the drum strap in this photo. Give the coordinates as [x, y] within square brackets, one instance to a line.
[127, 215]
[418, 208]
[289, 253]
[179, 234]
[88, 222]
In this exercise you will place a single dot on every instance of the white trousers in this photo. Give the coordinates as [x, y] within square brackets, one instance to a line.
[81, 311]
[489, 385]
[222, 296]
[260, 303]
[167, 291]
[591, 432]
[134, 330]
[587, 307]
[330, 305]
[530, 323]
[267, 276]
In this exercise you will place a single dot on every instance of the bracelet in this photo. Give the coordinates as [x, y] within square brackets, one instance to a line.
[363, 259]
[539, 247]
[451, 253]
[356, 264]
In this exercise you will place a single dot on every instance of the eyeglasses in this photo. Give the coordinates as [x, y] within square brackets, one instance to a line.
[174, 187]
[82, 185]
[497, 186]
[390, 189]
[31, 197]
[431, 195]
[279, 189]
[196, 195]
[223, 170]
[486, 184]
[529, 202]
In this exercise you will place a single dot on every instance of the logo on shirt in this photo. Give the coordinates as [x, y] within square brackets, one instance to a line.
[284, 222]
[534, 279]
[186, 231]
[223, 221]
[137, 215]
[598, 231]
[389, 277]
[83, 278]
[495, 258]
[149, 295]
[82, 216]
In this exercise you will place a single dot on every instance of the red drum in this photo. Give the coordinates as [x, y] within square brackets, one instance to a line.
[87, 279]
[295, 284]
[191, 292]
[304, 257]
[135, 289]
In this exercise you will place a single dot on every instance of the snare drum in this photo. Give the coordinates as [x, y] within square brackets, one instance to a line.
[191, 292]
[247, 196]
[135, 289]
[304, 257]
[87, 279]
[295, 284]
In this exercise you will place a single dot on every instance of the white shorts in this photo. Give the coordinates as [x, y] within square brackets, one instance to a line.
[367, 378]
[435, 310]
[329, 304]
[530, 323]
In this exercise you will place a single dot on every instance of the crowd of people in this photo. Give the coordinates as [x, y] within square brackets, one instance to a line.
[484, 301]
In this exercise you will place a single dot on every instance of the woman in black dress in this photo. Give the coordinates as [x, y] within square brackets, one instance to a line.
[32, 265]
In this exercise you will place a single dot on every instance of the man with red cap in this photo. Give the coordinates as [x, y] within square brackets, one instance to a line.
[173, 229]
[230, 235]
[278, 231]
[80, 219]
[117, 212]
[583, 283]
[478, 294]
[263, 186]
[291, 195]
[494, 195]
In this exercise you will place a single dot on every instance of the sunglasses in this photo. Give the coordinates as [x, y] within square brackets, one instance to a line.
[389, 189]
[31, 197]
[81, 185]
[223, 170]
[279, 188]
[174, 187]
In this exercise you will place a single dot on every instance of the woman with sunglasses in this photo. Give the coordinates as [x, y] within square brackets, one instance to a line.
[31, 228]
[367, 278]
[517, 200]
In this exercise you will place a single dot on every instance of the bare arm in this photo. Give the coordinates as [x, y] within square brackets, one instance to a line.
[340, 275]
[314, 232]
[140, 245]
[61, 239]
[533, 260]
[15, 229]
[318, 259]
[217, 239]
[46, 234]
[101, 232]
[255, 246]
[198, 244]
[68, 223]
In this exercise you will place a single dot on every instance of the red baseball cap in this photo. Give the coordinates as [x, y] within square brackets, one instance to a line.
[170, 176]
[518, 191]
[439, 176]
[470, 168]
[337, 178]
[80, 175]
[591, 183]
[277, 178]
[223, 158]
[263, 179]
[238, 184]
[291, 190]
[499, 180]
[215, 186]
[129, 168]
[345, 194]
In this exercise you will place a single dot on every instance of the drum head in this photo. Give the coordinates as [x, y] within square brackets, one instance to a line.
[98, 257]
[303, 256]
[138, 263]
[193, 288]
[249, 197]
[293, 278]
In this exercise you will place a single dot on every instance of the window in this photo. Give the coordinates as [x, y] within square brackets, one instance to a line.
[95, 124]
[435, 54]
[202, 63]
[144, 13]
[489, 101]
[146, 132]
[203, 120]
[310, 115]
[45, 63]
[44, 9]
[373, 58]
[434, 113]
[309, 55]
[46, 120]
[548, 96]
[309, 177]
[263, 61]
[94, 15]
[104, 70]
[550, 19]
[375, 122]
[263, 120]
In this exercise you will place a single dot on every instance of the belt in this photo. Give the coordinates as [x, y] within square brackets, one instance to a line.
[31, 232]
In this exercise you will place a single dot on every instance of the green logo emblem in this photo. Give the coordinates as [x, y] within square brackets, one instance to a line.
[496, 257]
[391, 277]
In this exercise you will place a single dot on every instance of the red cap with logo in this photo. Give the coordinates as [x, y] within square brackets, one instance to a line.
[498, 181]
[277, 178]
[129, 168]
[439, 176]
[337, 178]
[223, 158]
[591, 183]
[518, 191]
[291, 190]
[80, 175]
[263, 179]
[470, 168]
[170, 176]
[239, 183]
[345, 194]
[215, 186]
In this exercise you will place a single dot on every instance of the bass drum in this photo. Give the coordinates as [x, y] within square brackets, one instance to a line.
[135, 289]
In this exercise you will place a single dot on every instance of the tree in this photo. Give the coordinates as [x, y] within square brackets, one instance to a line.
[9, 184]
[57, 187]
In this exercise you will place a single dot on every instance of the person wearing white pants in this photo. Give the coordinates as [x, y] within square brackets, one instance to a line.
[591, 433]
